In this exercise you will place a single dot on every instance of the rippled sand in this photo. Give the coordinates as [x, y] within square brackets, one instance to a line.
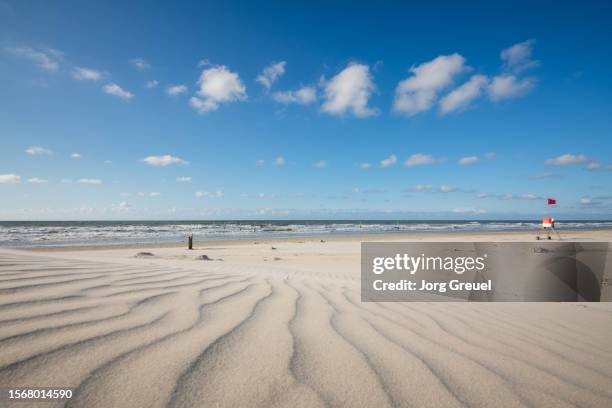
[283, 327]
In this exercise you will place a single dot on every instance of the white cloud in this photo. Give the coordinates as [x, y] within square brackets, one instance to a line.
[86, 74]
[469, 210]
[489, 155]
[271, 73]
[184, 179]
[587, 201]
[441, 189]
[174, 90]
[528, 197]
[593, 166]
[567, 160]
[423, 187]
[116, 90]
[517, 58]
[38, 150]
[447, 189]
[76, 156]
[36, 180]
[418, 93]
[217, 85]
[373, 191]
[9, 179]
[89, 181]
[320, 164]
[419, 159]
[152, 84]
[210, 194]
[140, 63]
[162, 161]
[155, 194]
[48, 60]
[260, 162]
[507, 197]
[389, 161]
[303, 96]
[349, 92]
[508, 86]
[466, 161]
[366, 166]
[462, 96]
[546, 175]
[268, 195]
[279, 161]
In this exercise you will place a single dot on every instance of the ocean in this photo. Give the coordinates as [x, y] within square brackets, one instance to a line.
[62, 233]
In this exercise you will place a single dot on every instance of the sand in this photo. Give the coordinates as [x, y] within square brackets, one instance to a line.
[284, 327]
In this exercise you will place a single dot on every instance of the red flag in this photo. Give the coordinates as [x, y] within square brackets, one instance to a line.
[552, 201]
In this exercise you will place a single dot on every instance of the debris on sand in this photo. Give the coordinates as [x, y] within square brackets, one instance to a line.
[144, 255]
[273, 247]
[202, 258]
[276, 258]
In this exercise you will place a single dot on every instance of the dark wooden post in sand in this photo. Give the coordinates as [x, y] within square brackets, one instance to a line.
[190, 241]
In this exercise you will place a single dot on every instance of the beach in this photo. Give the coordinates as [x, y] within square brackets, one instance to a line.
[230, 204]
[279, 323]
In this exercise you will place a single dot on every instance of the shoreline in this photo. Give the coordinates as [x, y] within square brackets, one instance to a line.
[602, 234]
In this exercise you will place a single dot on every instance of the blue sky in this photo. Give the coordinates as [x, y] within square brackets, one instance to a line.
[216, 110]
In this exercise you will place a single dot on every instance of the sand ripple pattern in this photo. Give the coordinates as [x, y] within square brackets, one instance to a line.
[221, 336]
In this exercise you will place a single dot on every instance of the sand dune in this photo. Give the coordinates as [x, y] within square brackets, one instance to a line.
[173, 332]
